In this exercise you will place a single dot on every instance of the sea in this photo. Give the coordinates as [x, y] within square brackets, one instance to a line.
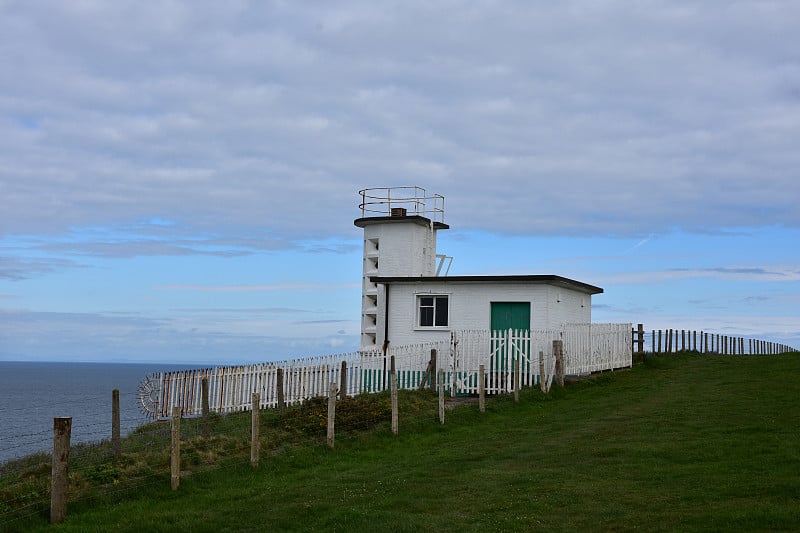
[32, 394]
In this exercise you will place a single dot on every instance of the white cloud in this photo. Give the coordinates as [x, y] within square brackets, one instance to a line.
[550, 119]
[238, 129]
[184, 337]
[772, 273]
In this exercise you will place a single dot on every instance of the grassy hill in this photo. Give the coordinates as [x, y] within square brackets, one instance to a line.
[684, 442]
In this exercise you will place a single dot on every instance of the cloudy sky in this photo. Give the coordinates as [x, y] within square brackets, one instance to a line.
[179, 179]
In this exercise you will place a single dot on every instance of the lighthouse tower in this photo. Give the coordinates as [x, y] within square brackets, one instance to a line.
[400, 225]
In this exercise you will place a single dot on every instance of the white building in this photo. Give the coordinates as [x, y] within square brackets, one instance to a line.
[406, 298]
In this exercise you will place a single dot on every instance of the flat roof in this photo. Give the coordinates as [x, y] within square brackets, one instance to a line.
[533, 279]
[417, 219]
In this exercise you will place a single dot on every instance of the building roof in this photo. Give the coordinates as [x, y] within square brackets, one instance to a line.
[547, 279]
[418, 219]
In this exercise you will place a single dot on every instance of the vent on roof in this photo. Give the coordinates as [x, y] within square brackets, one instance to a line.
[398, 211]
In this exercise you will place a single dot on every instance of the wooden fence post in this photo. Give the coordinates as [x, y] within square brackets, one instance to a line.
[433, 370]
[343, 380]
[659, 341]
[175, 449]
[429, 376]
[393, 396]
[331, 414]
[542, 379]
[255, 443]
[62, 428]
[393, 392]
[481, 389]
[516, 379]
[440, 381]
[558, 351]
[204, 407]
[640, 340]
[279, 390]
[116, 445]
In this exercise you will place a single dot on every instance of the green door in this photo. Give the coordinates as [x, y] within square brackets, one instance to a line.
[505, 316]
[511, 315]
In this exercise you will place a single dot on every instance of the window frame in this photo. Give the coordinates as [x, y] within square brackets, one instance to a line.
[418, 307]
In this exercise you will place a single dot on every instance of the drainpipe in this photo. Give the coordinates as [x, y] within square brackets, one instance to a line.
[386, 319]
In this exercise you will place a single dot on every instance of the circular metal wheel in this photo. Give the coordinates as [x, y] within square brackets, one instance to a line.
[150, 396]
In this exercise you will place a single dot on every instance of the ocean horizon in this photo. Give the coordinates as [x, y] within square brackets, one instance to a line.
[33, 393]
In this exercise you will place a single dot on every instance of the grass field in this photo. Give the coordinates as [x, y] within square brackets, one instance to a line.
[680, 443]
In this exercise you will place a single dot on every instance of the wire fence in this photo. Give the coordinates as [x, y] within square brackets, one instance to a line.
[683, 340]
[143, 461]
[424, 389]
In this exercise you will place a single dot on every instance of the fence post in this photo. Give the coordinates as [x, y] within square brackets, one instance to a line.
[516, 378]
[175, 450]
[542, 380]
[62, 428]
[115, 429]
[433, 370]
[558, 351]
[343, 380]
[640, 339]
[659, 341]
[440, 381]
[204, 407]
[395, 416]
[331, 414]
[255, 443]
[481, 389]
[279, 390]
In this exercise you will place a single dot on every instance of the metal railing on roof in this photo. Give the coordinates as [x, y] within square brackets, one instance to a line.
[406, 200]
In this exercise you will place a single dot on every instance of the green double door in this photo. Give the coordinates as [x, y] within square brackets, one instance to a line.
[505, 316]
[511, 315]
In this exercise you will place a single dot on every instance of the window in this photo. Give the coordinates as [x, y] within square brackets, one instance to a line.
[433, 311]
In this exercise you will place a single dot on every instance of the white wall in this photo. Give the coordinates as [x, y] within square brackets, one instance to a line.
[470, 307]
[406, 248]
[395, 247]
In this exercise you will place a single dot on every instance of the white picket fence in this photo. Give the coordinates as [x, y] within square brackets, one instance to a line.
[231, 387]
[587, 348]
[596, 347]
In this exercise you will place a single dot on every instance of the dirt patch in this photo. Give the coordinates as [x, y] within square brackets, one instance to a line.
[452, 403]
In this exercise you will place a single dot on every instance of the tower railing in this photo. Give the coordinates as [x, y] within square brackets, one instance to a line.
[401, 201]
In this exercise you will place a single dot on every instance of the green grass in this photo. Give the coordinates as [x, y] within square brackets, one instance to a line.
[679, 443]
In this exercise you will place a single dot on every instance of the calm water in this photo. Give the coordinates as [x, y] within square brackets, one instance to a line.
[32, 394]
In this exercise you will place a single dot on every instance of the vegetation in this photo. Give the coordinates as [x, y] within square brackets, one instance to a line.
[682, 442]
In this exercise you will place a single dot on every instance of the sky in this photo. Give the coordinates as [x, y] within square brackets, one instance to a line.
[179, 179]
